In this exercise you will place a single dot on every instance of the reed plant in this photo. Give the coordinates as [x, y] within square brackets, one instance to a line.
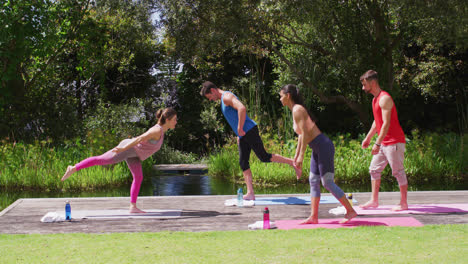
[168, 155]
[430, 159]
[40, 165]
[435, 159]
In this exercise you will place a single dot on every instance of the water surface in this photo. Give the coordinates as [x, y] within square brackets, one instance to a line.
[174, 185]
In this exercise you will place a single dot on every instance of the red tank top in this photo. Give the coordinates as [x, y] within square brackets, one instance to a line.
[395, 132]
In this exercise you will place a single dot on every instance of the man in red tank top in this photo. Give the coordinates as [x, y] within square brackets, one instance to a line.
[389, 147]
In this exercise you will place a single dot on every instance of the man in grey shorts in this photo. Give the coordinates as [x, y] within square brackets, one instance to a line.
[389, 147]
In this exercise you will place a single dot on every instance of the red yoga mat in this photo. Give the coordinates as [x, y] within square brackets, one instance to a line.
[334, 223]
[415, 209]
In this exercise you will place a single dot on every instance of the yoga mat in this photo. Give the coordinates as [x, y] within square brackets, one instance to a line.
[233, 202]
[334, 223]
[289, 200]
[122, 214]
[415, 209]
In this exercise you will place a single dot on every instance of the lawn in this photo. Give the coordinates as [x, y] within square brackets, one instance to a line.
[428, 244]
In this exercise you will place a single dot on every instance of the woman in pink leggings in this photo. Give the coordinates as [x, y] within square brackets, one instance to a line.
[133, 151]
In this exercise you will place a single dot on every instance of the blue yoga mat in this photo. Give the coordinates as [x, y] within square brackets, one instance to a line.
[295, 200]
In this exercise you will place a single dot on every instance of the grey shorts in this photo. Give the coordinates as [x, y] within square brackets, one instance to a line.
[393, 155]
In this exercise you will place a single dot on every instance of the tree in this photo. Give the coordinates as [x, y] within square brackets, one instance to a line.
[324, 46]
[61, 58]
[32, 37]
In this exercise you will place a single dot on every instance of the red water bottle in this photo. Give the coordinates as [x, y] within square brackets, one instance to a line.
[266, 218]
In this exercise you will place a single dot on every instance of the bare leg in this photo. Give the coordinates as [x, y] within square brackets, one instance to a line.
[280, 159]
[69, 172]
[350, 213]
[314, 205]
[403, 200]
[250, 195]
[374, 202]
[134, 209]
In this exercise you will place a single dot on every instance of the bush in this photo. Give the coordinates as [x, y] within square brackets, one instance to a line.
[430, 159]
[40, 166]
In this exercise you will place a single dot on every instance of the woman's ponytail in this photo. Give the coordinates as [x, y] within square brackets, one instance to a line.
[297, 98]
[164, 114]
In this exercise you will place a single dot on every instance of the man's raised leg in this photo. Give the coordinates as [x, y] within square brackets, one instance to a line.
[280, 159]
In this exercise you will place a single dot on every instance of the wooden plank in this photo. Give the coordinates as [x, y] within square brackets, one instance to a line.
[199, 213]
[181, 167]
[11, 206]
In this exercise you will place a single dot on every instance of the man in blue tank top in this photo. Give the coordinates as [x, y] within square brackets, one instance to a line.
[246, 129]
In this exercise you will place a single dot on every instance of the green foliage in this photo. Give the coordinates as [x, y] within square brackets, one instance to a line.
[430, 160]
[168, 155]
[197, 130]
[324, 46]
[436, 159]
[213, 124]
[62, 61]
[39, 166]
[62, 57]
[110, 124]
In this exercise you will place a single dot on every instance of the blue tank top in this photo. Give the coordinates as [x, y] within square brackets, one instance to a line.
[232, 117]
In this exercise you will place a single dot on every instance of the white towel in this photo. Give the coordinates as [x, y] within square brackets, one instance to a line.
[111, 214]
[233, 202]
[51, 217]
[340, 210]
[259, 225]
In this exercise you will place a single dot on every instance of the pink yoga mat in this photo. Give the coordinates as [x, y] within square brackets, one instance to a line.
[334, 223]
[415, 209]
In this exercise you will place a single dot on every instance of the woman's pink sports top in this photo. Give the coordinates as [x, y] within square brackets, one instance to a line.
[147, 148]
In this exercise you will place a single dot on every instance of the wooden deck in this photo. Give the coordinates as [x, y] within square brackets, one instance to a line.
[200, 213]
[182, 168]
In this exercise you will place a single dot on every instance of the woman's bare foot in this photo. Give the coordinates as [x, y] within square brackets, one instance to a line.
[400, 207]
[310, 220]
[135, 210]
[69, 172]
[369, 205]
[348, 217]
[249, 197]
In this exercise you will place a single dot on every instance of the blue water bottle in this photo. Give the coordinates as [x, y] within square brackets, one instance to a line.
[67, 210]
[240, 198]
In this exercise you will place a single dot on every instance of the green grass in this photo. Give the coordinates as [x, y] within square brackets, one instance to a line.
[428, 244]
[430, 159]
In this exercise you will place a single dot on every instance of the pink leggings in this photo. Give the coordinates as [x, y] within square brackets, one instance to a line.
[110, 157]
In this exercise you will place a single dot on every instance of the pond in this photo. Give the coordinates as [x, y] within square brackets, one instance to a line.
[195, 184]
[156, 185]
